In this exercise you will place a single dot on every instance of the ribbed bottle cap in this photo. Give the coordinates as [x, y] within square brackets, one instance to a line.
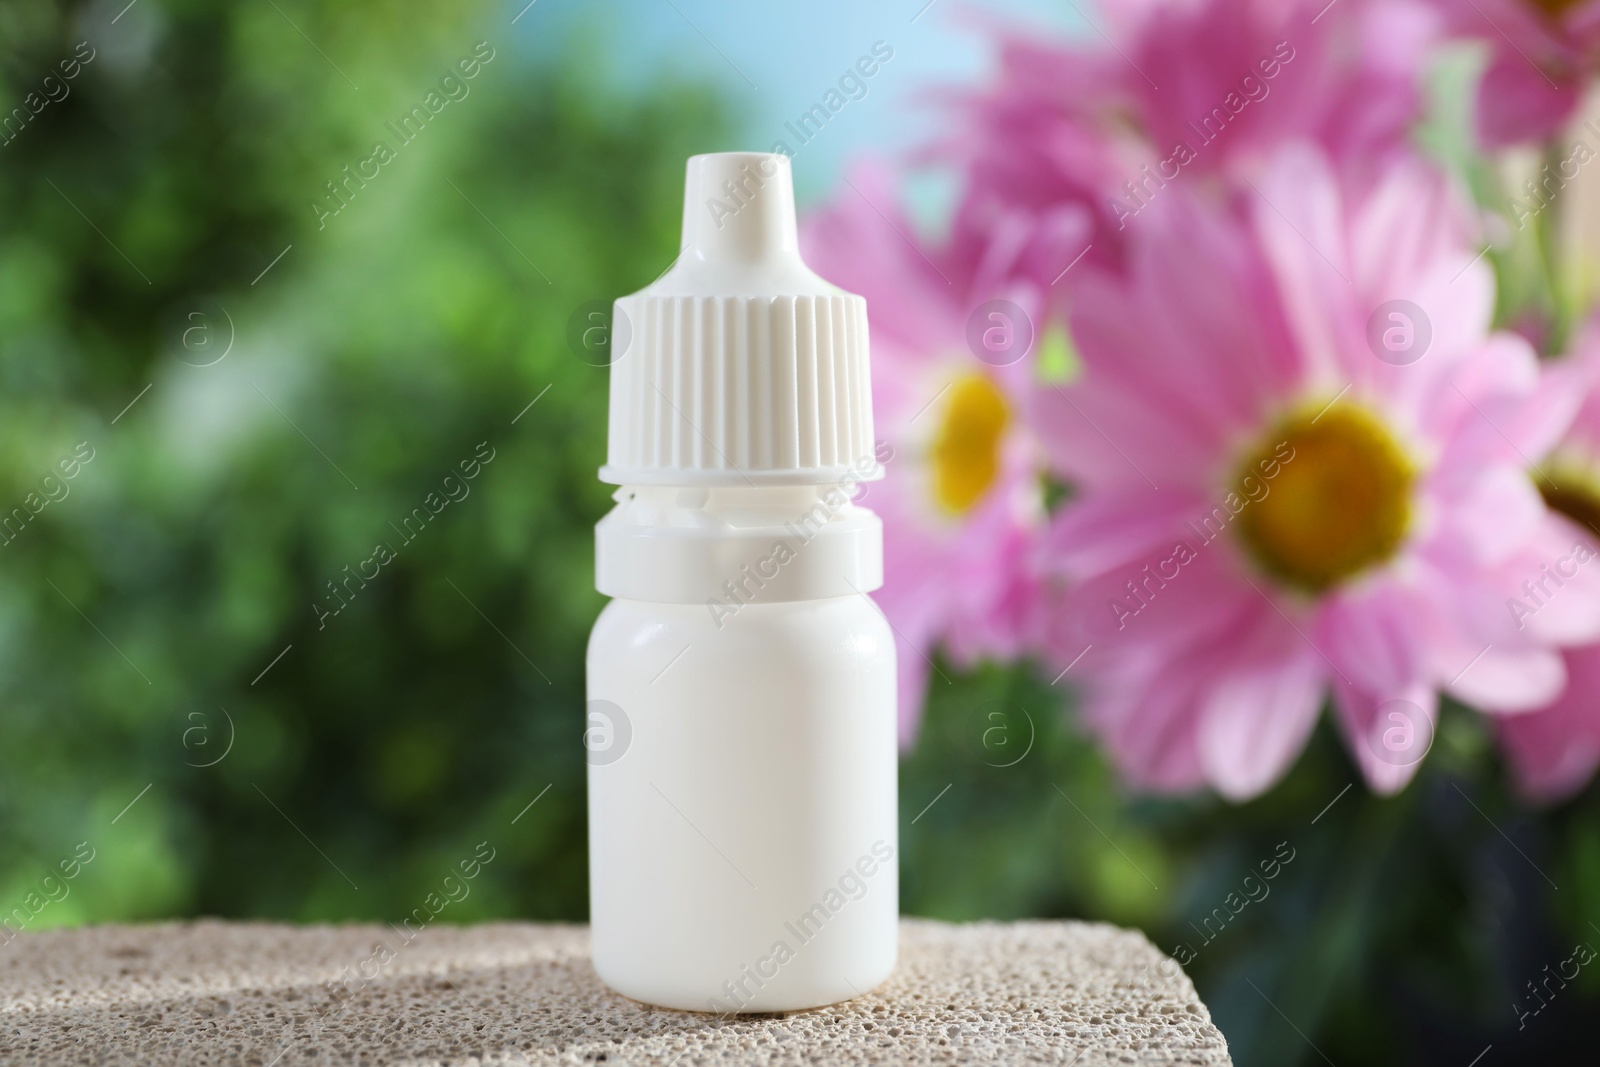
[742, 367]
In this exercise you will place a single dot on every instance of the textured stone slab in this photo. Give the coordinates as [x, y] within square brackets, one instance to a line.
[518, 993]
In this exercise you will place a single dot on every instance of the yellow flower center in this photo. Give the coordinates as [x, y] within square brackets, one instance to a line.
[966, 451]
[1553, 8]
[1573, 494]
[1325, 496]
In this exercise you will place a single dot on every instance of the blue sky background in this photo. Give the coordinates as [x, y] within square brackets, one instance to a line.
[774, 61]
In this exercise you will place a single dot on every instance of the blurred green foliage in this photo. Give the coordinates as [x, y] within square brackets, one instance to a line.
[173, 693]
[388, 344]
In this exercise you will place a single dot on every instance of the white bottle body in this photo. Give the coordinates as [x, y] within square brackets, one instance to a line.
[741, 721]
[743, 844]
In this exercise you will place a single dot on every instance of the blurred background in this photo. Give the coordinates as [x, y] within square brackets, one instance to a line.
[269, 376]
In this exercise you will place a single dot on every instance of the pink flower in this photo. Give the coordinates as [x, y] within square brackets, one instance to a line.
[1080, 138]
[1268, 510]
[1554, 751]
[1540, 52]
[960, 501]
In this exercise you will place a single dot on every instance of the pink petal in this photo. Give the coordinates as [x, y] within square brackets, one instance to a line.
[1388, 735]
[1554, 752]
[1258, 714]
[1112, 527]
[1506, 679]
[1518, 103]
[1552, 587]
[1373, 636]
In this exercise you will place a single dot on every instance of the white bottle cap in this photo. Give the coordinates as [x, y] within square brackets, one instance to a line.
[739, 366]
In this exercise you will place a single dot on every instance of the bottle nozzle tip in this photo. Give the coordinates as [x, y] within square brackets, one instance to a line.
[738, 207]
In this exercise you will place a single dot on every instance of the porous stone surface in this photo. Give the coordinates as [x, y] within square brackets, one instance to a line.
[212, 992]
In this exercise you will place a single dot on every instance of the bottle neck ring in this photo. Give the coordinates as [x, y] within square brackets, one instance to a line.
[738, 545]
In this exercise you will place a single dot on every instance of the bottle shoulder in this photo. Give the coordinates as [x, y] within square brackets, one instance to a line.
[804, 629]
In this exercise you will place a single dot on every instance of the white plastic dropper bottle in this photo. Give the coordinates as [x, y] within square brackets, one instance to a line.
[741, 715]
